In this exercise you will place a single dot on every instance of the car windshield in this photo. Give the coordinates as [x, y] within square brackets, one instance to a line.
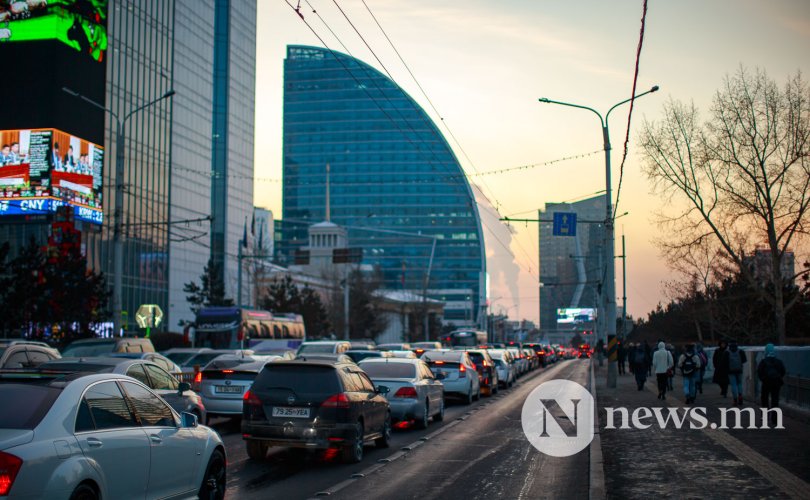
[2, 350]
[77, 366]
[442, 356]
[31, 403]
[79, 350]
[243, 364]
[360, 355]
[301, 379]
[316, 348]
[201, 359]
[389, 370]
[180, 357]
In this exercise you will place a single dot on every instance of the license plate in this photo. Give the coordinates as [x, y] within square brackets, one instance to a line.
[279, 411]
[228, 389]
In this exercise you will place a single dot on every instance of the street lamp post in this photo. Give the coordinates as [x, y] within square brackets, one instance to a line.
[118, 250]
[610, 272]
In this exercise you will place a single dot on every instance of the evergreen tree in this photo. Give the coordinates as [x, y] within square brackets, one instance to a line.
[212, 291]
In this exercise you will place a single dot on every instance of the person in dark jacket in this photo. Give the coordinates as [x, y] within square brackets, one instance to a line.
[621, 355]
[771, 372]
[733, 361]
[720, 376]
[640, 366]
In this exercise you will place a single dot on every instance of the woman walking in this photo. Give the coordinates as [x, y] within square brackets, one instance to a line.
[662, 364]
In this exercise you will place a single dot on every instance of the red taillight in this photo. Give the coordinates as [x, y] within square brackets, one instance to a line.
[9, 467]
[486, 363]
[336, 401]
[227, 371]
[462, 371]
[438, 362]
[406, 392]
[198, 377]
[250, 398]
[541, 352]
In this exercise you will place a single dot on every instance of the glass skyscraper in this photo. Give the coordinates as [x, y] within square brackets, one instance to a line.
[395, 184]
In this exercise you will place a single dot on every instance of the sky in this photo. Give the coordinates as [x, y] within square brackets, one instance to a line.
[483, 66]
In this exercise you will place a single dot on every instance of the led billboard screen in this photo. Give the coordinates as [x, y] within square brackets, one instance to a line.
[80, 24]
[43, 169]
[575, 315]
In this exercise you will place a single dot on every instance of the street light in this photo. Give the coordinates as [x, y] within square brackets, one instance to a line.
[118, 252]
[610, 272]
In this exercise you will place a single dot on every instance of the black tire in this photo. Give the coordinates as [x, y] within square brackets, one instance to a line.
[468, 400]
[422, 423]
[84, 492]
[214, 481]
[384, 441]
[353, 453]
[256, 450]
[478, 396]
[439, 416]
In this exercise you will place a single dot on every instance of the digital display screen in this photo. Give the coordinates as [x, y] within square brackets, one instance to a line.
[79, 24]
[43, 169]
[575, 315]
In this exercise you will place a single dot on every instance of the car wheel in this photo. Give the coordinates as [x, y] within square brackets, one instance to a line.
[213, 485]
[469, 399]
[257, 450]
[422, 423]
[384, 441]
[478, 394]
[439, 416]
[84, 492]
[353, 453]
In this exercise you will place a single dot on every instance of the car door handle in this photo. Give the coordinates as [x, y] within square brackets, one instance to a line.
[155, 438]
[94, 443]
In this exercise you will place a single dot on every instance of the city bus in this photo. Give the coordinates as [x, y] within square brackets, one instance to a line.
[465, 338]
[235, 328]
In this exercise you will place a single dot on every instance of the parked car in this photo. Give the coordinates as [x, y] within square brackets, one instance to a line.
[314, 405]
[102, 347]
[400, 346]
[457, 372]
[486, 368]
[226, 379]
[156, 358]
[505, 366]
[22, 354]
[92, 436]
[324, 347]
[414, 392]
[361, 354]
[178, 394]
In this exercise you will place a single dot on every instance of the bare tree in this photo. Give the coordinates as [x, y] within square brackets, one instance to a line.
[739, 182]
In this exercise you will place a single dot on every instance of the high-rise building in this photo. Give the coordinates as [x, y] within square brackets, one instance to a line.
[396, 185]
[571, 267]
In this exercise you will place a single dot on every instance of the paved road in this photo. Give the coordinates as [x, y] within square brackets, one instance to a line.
[478, 451]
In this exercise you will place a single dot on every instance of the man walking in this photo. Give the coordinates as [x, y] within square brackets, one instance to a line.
[640, 366]
[771, 372]
[690, 368]
[734, 360]
[720, 376]
[662, 364]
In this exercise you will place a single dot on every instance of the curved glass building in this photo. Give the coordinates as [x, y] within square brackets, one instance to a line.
[395, 184]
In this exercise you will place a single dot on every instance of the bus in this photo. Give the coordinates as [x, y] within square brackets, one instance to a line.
[235, 328]
[465, 338]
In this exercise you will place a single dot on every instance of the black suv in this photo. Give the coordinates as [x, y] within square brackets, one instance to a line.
[315, 404]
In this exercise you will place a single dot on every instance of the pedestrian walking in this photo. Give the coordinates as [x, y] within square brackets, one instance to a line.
[689, 364]
[640, 366]
[720, 376]
[704, 363]
[621, 354]
[771, 373]
[734, 361]
[648, 354]
[662, 364]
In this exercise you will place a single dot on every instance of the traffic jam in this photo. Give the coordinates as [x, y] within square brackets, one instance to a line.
[112, 418]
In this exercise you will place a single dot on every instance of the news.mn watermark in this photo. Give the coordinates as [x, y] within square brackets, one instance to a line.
[557, 418]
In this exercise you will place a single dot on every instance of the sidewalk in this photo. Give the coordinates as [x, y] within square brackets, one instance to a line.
[695, 463]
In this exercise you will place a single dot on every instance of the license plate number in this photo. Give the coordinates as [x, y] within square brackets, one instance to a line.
[228, 389]
[279, 411]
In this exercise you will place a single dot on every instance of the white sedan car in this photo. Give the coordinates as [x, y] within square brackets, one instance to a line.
[97, 436]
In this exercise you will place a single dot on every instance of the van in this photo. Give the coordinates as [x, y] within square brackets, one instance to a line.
[101, 347]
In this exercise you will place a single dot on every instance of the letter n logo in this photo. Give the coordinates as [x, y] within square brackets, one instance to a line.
[566, 422]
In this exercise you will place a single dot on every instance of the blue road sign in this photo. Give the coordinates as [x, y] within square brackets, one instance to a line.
[565, 224]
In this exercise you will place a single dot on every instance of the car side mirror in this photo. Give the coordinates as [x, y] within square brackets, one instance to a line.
[183, 387]
[382, 389]
[188, 420]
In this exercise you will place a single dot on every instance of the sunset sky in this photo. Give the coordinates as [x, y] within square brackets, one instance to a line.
[484, 65]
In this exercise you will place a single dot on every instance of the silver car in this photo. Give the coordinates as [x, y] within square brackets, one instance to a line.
[94, 436]
[459, 375]
[180, 397]
[226, 379]
[505, 365]
[414, 393]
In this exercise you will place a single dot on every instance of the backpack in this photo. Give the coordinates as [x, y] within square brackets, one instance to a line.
[639, 357]
[688, 366]
[734, 362]
[704, 360]
[771, 370]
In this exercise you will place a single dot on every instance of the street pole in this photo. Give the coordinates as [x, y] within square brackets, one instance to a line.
[346, 305]
[610, 255]
[624, 290]
[118, 213]
[239, 276]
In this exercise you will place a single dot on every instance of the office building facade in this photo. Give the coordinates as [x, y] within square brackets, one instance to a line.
[395, 184]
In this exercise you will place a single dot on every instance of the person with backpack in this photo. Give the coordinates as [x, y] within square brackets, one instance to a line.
[720, 376]
[640, 366]
[704, 363]
[690, 369]
[771, 372]
[662, 364]
[733, 360]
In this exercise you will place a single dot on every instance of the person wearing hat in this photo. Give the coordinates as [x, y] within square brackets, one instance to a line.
[771, 373]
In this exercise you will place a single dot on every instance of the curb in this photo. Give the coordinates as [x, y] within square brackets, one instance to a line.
[596, 472]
